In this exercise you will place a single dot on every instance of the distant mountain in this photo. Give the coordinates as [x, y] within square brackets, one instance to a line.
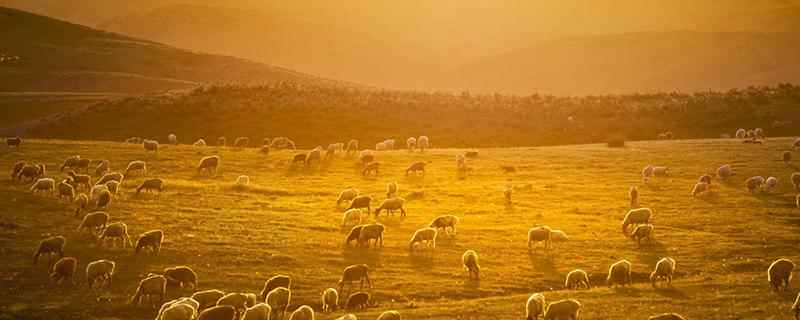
[43, 54]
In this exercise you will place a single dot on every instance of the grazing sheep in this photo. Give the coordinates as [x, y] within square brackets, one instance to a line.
[699, 189]
[111, 176]
[741, 133]
[642, 231]
[444, 222]
[17, 168]
[303, 313]
[356, 272]
[259, 311]
[423, 143]
[647, 173]
[207, 298]
[796, 181]
[770, 184]
[470, 261]
[31, 172]
[759, 133]
[243, 181]
[94, 222]
[360, 202]
[389, 315]
[558, 236]
[80, 179]
[780, 273]
[352, 217]
[299, 158]
[240, 301]
[660, 171]
[81, 203]
[65, 190]
[423, 235]
[535, 306]
[411, 144]
[50, 246]
[724, 172]
[218, 313]
[114, 231]
[667, 316]
[137, 165]
[241, 142]
[354, 234]
[277, 281]
[619, 273]
[95, 192]
[151, 184]
[181, 276]
[208, 164]
[71, 163]
[358, 300]
[561, 309]
[634, 196]
[665, 268]
[754, 183]
[366, 156]
[278, 300]
[352, 146]
[330, 300]
[796, 307]
[64, 269]
[576, 278]
[14, 142]
[200, 143]
[391, 189]
[389, 143]
[390, 205]
[103, 199]
[150, 240]
[44, 184]
[635, 217]
[706, 178]
[178, 309]
[113, 187]
[150, 145]
[153, 285]
[539, 234]
[221, 141]
[371, 232]
[371, 169]
[100, 271]
[172, 138]
[416, 168]
[314, 155]
[347, 195]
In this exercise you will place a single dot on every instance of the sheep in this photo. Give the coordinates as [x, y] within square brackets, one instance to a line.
[558, 236]
[347, 195]
[667, 316]
[218, 313]
[797, 201]
[112, 176]
[265, 150]
[151, 184]
[64, 269]
[17, 168]
[80, 179]
[241, 142]
[371, 169]
[259, 311]
[389, 315]
[535, 306]
[539, 234]
[470, 261]
[303, 313]
[330, 299]
[113, 187]
[366, 157]
[770, 184]
[71, 162]
[619, 273]
[416, 168]
[299, 158]
[389, 143]
[134, 140]
[380, 146]
[81, 203]
[277, 281]
[181, 276]
[354, 234]
[371, 232]
[391, 189]
[411, 144]
[152, 285]
[635, 217]
[360, 202]
[50, 246]
[44, 184]
[390, 205]
[665, 268]
[352, 217]
[65, 190]
[200, 143]
[444, 222]
[114, 231]
[642, 231]
[796, 181]
[352, 146]
[150, 240]
[724, 172]
[754, 183]
[221, 141]
[240, 301]
[576, 278]
[178, 309]
[759, 133]
[331, 152]
[103, 199]
[699, 189]
[94, 193]
[358, 300]
[314, 155]
[779, 273]
[31, 172]
[356, 272]
[14, 142]
[278, 299]
[100, 271]
[660, 171]
[136, 165]
[94, 222]
[423, 143]
[172, 138]
[426, 235]
[634, 196]
[243, 181]
[647, 173]
[706, 178]
[796, 307]
[787, 157]
[208, 164]
[348, 316]
[567, 308]
[207, 298]
[741, 133]
[150, 145]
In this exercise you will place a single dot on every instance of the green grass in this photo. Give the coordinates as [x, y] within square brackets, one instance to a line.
[286, 222]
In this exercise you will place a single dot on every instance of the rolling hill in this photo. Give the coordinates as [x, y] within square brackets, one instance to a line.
[53, 55]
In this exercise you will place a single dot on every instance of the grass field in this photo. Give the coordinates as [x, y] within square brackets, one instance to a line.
[287, 222]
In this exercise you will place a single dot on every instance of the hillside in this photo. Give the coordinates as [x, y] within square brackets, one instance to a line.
[286, 222]
[314, 115]
[53, 55]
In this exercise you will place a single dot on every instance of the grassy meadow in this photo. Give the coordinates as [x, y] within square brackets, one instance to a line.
[287, 222]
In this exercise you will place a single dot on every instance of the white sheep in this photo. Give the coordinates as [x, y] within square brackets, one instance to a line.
[172, 138]
[153, 285]
[330, 299]
[241, 142]
[539, 234]
[470, 261]
[66, 191]
[665, 268]
[423, 143]
[647, 173]
[348, 316]
[411, 144]
[642, 231]
[535, 306]
[81, 203]
[111, 176]
[699, 189]
[444, 222]
[178, 309]
[797, 201]
[243, 181]
[352, 146]
[380, 146]
[741, 133]
[101, 271]
[136, 165]
[561, 309]
[150, 240]
[389, 143]
[636, 216]
[303, 313]
[667, 316]
[114, 231]
[576, 278]
[796, 144]
[390, 205]
[218, 313]
[371, 232]
[660, 171]
[423, 235]
[44, 185]
[50, 246]
[754, 184]
[619, 273]
[724, 172]
[279, 299]
[770, 184]
[796, 307]
[150, 145]
[207, 298]
[259, 311]
[93, 222]
[389, 315]
[779, 273]
[633, 194]
[208, 164]
[352, 217]
[391, 189]
[356, 272]
[558, 236]
[273, 282]
[347, 195]
[238, 300]
[64, 269]
[199, 143]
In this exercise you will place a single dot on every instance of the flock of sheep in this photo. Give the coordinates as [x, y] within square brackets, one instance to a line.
[275, 298]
